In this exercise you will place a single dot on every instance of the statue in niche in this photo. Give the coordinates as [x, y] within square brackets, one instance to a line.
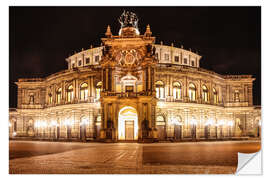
[149, 48]
[154, 50]
[105, 50]
[31, 98]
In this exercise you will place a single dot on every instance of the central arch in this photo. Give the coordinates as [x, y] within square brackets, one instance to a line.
[128, 124]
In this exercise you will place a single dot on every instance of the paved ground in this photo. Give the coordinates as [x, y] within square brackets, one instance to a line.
[28, 157]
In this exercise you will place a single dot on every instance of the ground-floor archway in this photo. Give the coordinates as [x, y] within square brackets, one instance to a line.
[128, 124]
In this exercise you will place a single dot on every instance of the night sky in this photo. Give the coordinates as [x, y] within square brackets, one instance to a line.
[227, 38]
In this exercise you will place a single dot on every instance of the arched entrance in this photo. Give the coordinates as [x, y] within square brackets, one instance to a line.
[128, 124]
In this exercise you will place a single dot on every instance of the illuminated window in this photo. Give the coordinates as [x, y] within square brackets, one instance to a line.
[176, 90]
[185, 60]
[96, 58]
[176, 58]
[160, 93]
[70, 93]
[160, 120]
[84, 92]
[98, 89]
[204, 93]
[167, 57]
[50, 98]
[215, 96]
[236, 96]
[87, 60]
[192, 92]
[58, 95]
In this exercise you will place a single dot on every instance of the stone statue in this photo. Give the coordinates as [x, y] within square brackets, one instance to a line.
[149, 48]
[154, 50]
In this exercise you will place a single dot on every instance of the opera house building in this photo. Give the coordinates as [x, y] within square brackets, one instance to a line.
[131, 89]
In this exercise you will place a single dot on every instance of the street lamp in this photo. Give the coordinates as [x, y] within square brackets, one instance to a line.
[14, 134]
[83, 124]
[208, 123]
[53, 124]
[230, 125]
[193, 123]
[37, 125]
[68, 123]
[221, 123]
[43, 126]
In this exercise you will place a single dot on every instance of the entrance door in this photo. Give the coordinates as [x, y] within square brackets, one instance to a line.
[129, 130]
[177, 131]
[83, 132]
[161, 132]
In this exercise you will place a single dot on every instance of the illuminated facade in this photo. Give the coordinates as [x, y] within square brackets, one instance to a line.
[133, 89]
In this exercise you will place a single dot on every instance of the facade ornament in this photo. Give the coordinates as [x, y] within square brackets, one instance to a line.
[148, 32]
[108, 32]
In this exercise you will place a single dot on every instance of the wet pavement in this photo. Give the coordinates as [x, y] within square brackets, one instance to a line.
[34, 157]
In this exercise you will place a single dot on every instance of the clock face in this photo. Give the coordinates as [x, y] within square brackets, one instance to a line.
[129, 59]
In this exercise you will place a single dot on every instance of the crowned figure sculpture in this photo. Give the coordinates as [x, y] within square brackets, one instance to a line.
[129, 24]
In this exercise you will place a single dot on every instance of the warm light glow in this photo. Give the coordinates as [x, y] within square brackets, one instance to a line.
[14, 134]
[127, 114]
[175, 121]
[9, 124]
[209, 122]
[221, 123]
[230, 123]
[68, 122]
[37, 124]
[54, 123]
[193, 122]
[84, 121]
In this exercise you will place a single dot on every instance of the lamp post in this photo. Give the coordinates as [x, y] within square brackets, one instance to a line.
[207, 127]
[221, 123]
[230, 124]
[68, 124]
[53, 125]
[193, 124]
[216, 127]
[83, 124]
[37, 125]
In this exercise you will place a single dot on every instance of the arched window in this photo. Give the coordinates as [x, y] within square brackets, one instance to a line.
[84, 91]
[204, 93]
[98, 89]
[70, 93]
[176, 90]
[215, 96]
[160, 120]
[50, 98]
[58, 95]
[236, 96]
[192, 92]
[160, 93]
